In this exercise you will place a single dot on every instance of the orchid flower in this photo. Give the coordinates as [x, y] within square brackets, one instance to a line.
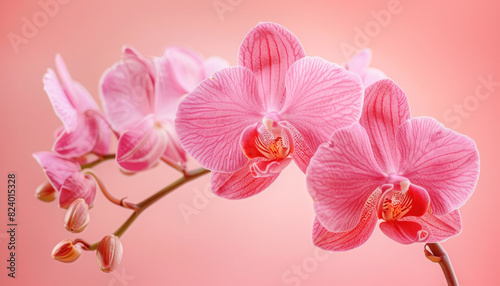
[360, 65]
[247, 123]
[140, 99]
[413, 174]
[64, 174]
[85, 128]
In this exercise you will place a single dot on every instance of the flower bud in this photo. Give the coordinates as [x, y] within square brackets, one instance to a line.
[77, 217]
[66, 251]
[109, 253]
[45, 192]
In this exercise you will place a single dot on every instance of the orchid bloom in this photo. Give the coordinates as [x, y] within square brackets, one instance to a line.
[360, 65]
[413, 174]
[85, 129]
[247, 123]
[65, 176]
[140, 99]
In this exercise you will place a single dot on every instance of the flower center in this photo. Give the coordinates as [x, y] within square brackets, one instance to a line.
[273, 150]
[396, 205]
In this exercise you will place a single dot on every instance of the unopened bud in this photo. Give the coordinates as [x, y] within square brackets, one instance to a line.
[66, 251]
[45, 192]
[109, 253]
[77, 217]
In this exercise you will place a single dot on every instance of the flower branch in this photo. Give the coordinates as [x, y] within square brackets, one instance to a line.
[437, 254]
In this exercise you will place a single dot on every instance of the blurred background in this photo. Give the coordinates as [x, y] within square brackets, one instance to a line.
[444, 54]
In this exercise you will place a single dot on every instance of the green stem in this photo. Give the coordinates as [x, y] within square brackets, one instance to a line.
[98, 161]
[188, 176]
[437, 251]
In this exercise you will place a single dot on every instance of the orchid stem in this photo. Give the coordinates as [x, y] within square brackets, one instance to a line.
[188, 176]
[98, 161]
[438, 254]
[108, 195]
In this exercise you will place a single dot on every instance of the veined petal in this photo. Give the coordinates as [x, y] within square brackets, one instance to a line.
[77, 186]
[168, 91]
[103, 133]
[372, 75]
[404, 232]
[439, 228]
[240, 184]
[62, 105]
[385, 109]
[440, 160]
[174, 152]
[347, 240]
[211, 119]
[302, 154]
[127, 92]
[57, 169]
[269, 50]
[321, 98]
[79, 142]
[142, 146]
[341, 178]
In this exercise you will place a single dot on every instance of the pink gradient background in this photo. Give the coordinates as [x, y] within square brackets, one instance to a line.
[435, 50]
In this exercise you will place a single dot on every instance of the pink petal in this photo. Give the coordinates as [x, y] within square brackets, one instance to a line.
[371, 76]
[213, 64]
[168, 90]
[129, 53]
[266, 168]
[62, 105]
[360, 61]
[302, 154]
[127, 91]
[57, 169]
[142, 146]
[342, 241]
[384, 110]
[417, 197]
[439, 160]
[269, 50]
[321, 98]
[174, 153]
[404, 232]
[439, 228]
[92, 134]
[341, 177]
[186, 67]
[240, 184]
[211, 119]
[77, 186]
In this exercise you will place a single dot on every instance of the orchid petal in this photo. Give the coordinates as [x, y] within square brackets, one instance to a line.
[302, 154]
[127, 91]
[57, 169]
[79, 142]
[168, 90]
[213, 64]
[321, 98]
[240, 184]
[360, 61]
[342, 241]
[186, 67]
[341, 178]
[371, 76]
[62, 105]
[174, 153]
[266, 168]
[269, 50]
[439, 160]
[142, 146]
[384, 110]
[439, 228]
[404, 232]
[211, 119]
[77, 186]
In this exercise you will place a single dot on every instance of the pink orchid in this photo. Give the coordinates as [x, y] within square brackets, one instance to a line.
[85, 129]
[247, 123]
[65, 176]
[141, 99]
[412, 173]
[360, 65]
